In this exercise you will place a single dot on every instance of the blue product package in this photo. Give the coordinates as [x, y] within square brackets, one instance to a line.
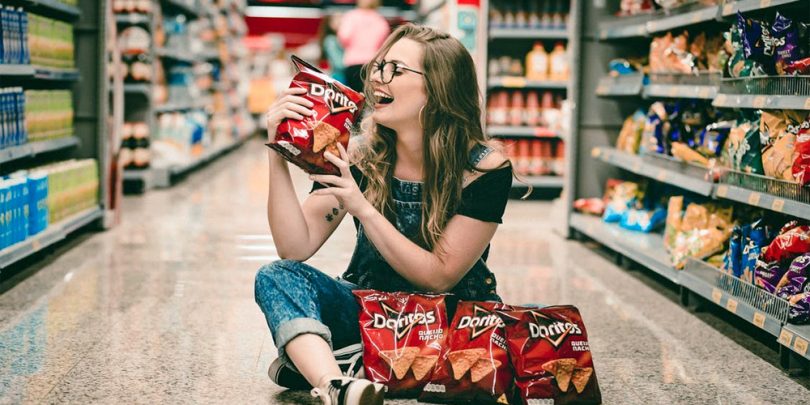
[612, 214]
[3, 225]
[4, 30]
[21, 116]
[4, 141]
[643, 220]
[758, 237]
[12, 43]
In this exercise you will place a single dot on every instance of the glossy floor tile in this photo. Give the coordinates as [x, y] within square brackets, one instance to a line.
[160, 309]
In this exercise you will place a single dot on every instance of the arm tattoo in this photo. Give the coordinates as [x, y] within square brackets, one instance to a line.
[330, 216]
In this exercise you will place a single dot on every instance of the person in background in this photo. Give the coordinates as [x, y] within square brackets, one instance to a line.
[331, 50]
[362, 32]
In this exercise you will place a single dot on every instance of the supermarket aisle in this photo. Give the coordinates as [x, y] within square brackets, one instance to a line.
[160, 309]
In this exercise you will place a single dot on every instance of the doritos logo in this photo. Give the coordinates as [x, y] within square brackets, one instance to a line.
[480, 322]
[334, 98]
[553, 331]
[401, 323]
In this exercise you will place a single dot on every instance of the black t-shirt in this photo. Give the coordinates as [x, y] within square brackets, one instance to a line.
[484, 199]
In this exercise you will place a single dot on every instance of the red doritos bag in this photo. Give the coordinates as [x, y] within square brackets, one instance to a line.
[550, 355]
[336, 108]
[474, 365]
[403, 335]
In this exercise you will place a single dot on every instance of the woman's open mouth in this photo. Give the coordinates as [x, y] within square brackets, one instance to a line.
[383, 99]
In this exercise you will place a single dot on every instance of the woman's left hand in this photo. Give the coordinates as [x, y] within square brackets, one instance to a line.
[343, 187]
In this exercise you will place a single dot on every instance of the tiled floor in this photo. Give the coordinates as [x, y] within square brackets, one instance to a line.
[160, 309]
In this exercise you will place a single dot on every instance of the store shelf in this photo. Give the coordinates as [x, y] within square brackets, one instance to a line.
[730, 8]
[743, 299]
[33, 149]
[774, 92]
[180, 6]
[515, 33]
[796, 337]
[658, 168]
[54, 9]
[646, 249]
[624, 27]
[766, 193]
[620, 86]
[53, 234]
[680, 18]
[545, 182]
[175, 54]
[133, 19]
[523, 83]
[162, 176]
[183, 106]
[56, 75]
[680, 91]
[138, 89]
[509, 131]
[16, 70]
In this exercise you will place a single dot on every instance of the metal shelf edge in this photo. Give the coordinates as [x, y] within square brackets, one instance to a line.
[762, 200]
[56, 8]
[530, 33]
[36, 148]
[754, 101]
[637, 165]
[799, 338]
[54, 233]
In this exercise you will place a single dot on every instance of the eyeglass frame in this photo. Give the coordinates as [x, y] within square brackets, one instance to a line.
[381, 66]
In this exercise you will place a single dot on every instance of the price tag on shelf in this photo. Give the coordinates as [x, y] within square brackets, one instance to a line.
[722, 191]
[785, 337]
[764, 3]
[641, 29]
[601, 89]
[716, 295]
[673, 91]
[807, 104]
[662, 175]
[704, 92]
[36, 245]
[603, 34]
[759, 319]
[800, 346]
[778, 205]
[596, 152]
[753, 199]
[759, 102]
[511, 81]
[720, 100]
[637, 166]
[696, 18]
[731, 306]
[728, 9]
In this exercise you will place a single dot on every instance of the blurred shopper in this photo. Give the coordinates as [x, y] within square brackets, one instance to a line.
[427, 190]
[331, 50]
[362, 32]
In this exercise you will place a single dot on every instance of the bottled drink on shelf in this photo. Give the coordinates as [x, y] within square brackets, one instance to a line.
[516, 111]
[524, 156]
[558, 63]
[500, 108]
[537, 165]
[537, 63]
[532, 117]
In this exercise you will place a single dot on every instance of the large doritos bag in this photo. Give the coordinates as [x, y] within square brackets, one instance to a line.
[550, 355]
[337, 107]
[403, 335]
[474, 366]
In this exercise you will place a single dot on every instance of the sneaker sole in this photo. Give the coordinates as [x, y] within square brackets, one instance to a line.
[368, 396]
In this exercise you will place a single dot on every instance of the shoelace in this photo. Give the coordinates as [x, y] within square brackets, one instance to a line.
[332, 389]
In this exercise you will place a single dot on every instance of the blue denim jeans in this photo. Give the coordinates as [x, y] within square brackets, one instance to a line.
[298, 299]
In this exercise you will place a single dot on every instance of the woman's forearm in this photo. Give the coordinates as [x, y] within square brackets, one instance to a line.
[284, 214]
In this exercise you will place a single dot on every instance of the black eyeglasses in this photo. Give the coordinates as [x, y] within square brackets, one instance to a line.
[389, 69]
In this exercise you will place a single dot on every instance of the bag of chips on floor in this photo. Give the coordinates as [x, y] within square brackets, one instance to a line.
[403, 335]
[474, 365]
[550, 356]
[337, 107]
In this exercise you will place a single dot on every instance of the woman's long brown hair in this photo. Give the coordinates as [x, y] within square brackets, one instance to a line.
[451, 121]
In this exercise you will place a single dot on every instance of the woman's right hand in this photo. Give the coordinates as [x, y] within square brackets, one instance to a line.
[289, 105]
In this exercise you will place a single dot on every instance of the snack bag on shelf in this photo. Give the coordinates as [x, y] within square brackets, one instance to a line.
[687, 154]
[551, 357]
[337, 107]
[673, 221]
[757, 43]
[779, 128]
[703, 232]
[630, 135]
[793, 240]
[801, 154]
[713, 138]
[474, 364]
[785, 36]
[623, 197]
[795, 288]
[742, 151]
[758, 237]
[403, 336]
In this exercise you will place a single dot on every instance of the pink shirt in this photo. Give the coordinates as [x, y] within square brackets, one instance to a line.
[362, 33]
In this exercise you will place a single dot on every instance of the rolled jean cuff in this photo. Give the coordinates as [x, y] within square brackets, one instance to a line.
[293, 328]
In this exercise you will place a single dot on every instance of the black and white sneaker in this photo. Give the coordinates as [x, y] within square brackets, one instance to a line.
[350, 391]
[349, 359]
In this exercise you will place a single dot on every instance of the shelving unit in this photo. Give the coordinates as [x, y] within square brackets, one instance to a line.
[140, 96]
[604, 38]
[88, 85]
[515, 42]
